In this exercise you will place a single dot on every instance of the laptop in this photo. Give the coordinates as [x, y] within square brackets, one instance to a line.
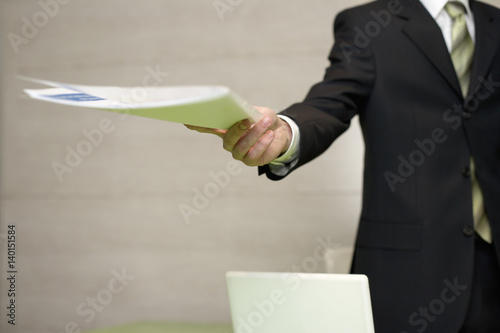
[263, 302]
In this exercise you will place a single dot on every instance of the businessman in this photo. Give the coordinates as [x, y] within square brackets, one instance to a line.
[424, 79]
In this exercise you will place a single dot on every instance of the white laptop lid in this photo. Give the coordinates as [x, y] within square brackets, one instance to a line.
[299, 303]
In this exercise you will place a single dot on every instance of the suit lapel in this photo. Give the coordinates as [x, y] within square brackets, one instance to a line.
[487, 43]
[421, 27]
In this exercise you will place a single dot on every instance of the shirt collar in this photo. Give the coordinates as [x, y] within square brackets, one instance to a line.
[434, 7]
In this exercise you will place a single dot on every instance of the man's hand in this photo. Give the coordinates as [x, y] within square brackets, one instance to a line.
[254, 144]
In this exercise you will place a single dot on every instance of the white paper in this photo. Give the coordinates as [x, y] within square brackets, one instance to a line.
[206, 106]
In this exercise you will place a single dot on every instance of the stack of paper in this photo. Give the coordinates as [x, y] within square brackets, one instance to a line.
[206, 106]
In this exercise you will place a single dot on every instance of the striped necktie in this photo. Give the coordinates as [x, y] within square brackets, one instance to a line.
[462, 54]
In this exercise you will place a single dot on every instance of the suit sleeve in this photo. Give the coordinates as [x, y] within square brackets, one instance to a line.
[330, 105]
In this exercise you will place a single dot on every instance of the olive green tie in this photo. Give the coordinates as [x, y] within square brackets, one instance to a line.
[462, 49]
[462, 54]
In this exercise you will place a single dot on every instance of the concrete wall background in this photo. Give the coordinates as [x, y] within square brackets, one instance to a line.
[118, 210]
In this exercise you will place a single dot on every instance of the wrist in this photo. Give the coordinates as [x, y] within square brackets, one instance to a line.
[287, 130]
[292, 138]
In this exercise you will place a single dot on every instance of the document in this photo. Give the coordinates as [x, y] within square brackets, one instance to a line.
[205, 106]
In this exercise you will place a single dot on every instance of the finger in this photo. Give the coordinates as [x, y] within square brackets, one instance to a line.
[215, 131]
[260, 153]
[242, 147]
[265, 111]
[235, 133]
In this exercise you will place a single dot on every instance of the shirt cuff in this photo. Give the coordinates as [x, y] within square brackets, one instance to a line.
[284, 163]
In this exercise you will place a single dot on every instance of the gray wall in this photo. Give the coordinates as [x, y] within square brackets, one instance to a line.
[118, 211]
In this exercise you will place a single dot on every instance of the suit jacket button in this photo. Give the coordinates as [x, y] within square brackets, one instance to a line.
[466, 171]
[467, 114]
[468, 230]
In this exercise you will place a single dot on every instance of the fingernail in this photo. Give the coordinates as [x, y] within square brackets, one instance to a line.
[267, 121]
[243, 125]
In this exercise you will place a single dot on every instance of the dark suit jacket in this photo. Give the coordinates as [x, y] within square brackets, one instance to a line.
[415, 238]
